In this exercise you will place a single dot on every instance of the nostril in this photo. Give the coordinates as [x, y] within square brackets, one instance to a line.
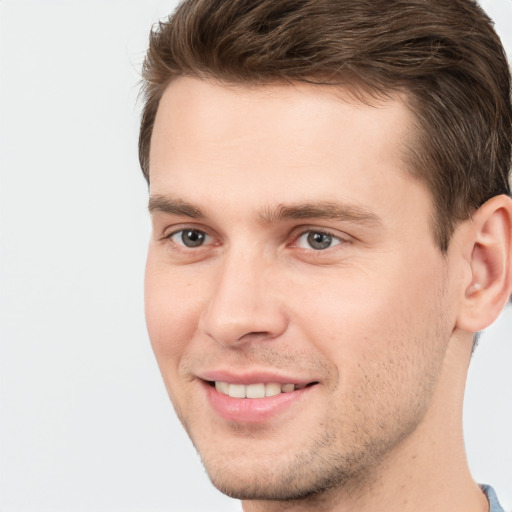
[255, 335]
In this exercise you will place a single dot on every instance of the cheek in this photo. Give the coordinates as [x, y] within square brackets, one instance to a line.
[171, 316]
[385, 325]
[387, 351]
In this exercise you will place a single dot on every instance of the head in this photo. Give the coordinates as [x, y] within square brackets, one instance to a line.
[330, 218]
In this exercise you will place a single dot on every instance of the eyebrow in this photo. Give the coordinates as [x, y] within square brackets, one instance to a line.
[174, 207]
[314, 210]
[323, 210]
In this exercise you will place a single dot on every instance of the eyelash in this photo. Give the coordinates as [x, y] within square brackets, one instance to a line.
[333, 239]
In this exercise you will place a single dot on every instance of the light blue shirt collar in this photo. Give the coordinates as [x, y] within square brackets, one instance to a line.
[494, 504]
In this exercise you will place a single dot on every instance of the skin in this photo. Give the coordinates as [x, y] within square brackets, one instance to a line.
[373, 319]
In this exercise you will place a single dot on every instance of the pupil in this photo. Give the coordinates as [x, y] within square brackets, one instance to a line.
[192, 238]
[319, 240]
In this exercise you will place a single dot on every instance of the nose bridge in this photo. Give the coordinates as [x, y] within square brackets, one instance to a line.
[243, 304]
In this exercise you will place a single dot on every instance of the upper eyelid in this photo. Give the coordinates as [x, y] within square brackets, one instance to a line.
[176, 231]
[169, 231]
[299, 231]
[322, 231]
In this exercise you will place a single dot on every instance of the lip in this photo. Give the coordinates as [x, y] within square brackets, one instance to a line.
[252, 378]
[252, 410]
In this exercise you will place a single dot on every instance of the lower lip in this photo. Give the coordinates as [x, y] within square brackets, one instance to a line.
[252, 410]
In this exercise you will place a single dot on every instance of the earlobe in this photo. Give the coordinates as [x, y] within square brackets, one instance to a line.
[490, 263]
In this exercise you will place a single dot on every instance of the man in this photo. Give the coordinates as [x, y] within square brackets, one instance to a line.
[332, 224]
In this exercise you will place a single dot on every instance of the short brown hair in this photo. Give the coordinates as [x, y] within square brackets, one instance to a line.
[444, 54]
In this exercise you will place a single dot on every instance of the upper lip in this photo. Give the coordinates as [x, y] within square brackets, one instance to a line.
[252, 377]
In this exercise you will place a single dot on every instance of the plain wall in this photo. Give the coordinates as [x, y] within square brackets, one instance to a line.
[85, 423]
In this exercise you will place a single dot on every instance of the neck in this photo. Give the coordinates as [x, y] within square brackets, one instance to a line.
[426, 472]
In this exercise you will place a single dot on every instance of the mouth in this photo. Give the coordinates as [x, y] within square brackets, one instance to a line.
[255, 399]
[256, 390]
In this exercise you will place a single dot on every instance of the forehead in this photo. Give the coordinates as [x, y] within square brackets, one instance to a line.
[215, 112]
[291, 139]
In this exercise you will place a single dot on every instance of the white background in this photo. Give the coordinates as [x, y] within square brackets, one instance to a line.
[85, 424]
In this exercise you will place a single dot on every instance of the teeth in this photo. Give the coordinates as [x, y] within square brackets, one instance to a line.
[255, 391]
[236, 390]
[222, 387]
[272, 389]
[259, 390]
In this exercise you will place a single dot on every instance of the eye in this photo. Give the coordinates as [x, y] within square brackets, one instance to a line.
[189, 237]
[317, 240]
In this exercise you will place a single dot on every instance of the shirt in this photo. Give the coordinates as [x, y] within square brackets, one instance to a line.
[494, 504]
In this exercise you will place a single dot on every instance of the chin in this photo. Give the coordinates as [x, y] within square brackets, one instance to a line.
[309, 474]
[302, 485]
[262, 487]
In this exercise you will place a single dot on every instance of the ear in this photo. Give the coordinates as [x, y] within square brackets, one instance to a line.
[489, 253]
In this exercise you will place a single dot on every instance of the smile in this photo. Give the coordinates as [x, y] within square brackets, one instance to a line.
[254, 402]
[258, 390]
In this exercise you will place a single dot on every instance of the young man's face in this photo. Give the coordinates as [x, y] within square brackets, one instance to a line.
[292, 253]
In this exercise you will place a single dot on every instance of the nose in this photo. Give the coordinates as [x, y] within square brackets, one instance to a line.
[244, 303]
